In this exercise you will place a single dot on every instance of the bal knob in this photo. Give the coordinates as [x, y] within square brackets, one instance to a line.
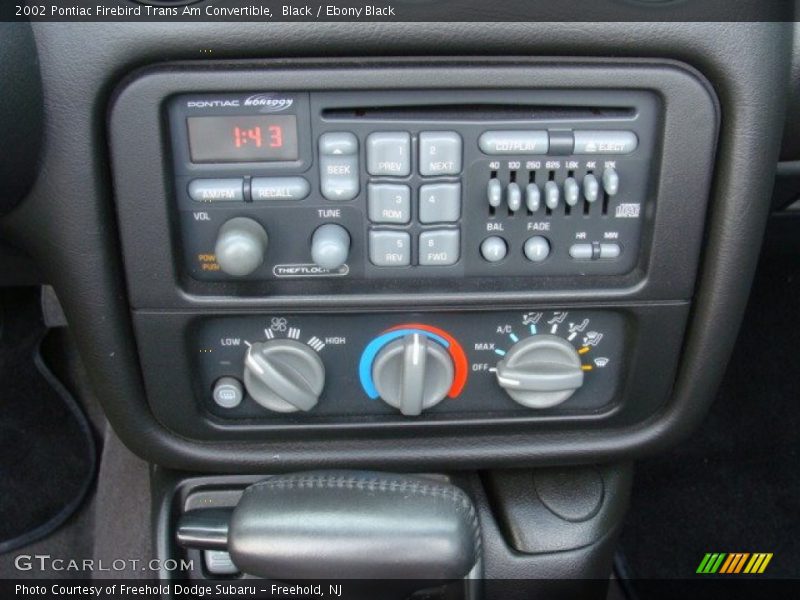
[413, 373]
[540, 371]
[284, 375]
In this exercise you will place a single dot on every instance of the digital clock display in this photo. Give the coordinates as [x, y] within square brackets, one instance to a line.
[243, 139]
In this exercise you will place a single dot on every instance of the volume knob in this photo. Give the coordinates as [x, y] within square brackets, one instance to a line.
[413, 373]
[540, 371]
[284, 375]
[241, 246]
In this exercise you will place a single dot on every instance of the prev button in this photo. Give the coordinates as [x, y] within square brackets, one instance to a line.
[389, 153]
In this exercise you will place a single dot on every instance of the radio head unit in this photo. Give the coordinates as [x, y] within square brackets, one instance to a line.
[420, 185]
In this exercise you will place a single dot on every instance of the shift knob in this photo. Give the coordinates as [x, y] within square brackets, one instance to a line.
[241, 246]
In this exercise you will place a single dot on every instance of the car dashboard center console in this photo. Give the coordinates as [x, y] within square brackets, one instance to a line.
[381, 251]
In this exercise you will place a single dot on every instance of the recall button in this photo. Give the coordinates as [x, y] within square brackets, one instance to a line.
[269, 189]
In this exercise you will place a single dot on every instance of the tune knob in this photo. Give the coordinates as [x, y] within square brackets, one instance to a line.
[241, 246]
[330, 246]
[540, 371]
[413, 373]
[284, 375]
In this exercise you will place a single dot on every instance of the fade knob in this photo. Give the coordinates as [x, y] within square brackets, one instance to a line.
[540, 371]
[284, 375]
[241, 246]
[413, 373]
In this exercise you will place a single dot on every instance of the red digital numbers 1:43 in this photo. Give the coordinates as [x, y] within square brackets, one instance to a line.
[252, 135]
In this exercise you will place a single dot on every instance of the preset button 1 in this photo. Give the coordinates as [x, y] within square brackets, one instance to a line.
[389, 153]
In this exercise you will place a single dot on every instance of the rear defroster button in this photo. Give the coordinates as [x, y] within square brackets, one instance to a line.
[228, 392]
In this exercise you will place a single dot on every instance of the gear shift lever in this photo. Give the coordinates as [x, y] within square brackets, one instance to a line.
[344, 525]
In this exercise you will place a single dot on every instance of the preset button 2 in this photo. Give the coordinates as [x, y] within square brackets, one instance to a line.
[439, 153]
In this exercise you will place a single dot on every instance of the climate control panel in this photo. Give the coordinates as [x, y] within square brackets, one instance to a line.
[418, 184]
[308, 368]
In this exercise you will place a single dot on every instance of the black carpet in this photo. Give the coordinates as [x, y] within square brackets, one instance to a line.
[734, 486]
[47, 451]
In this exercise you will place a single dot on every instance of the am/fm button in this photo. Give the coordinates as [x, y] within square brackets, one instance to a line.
[217, 190]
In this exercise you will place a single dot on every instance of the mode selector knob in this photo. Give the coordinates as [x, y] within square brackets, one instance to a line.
[284, 375]
[330, 246]
[241, 246]
[540, 371]
[413, 373]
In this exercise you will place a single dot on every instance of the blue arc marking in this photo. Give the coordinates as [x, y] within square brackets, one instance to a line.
[372, 349]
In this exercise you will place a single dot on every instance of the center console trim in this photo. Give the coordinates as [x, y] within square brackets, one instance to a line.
[668, 277]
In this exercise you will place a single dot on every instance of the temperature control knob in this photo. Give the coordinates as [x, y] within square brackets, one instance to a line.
[284, 375]
[540, 371]
[241, 246]
[413, 373]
